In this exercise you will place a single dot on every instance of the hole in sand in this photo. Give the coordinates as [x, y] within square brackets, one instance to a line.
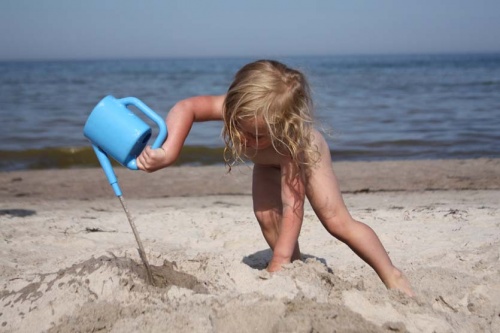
[164, 276]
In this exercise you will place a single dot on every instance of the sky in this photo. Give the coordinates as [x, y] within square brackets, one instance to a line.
[107, 29]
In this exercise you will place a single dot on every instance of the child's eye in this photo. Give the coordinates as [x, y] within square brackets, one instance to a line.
[258, 137]
[250, 135]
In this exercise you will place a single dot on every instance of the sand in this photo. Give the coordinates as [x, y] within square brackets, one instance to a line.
[69, 260]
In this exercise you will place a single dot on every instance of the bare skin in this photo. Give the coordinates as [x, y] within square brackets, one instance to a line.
[279, 191]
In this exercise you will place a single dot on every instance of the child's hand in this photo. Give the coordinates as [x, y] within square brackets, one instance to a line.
[277, 262]
[152, 159]
[275, 265]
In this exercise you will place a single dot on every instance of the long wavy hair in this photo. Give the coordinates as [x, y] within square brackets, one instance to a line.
[281, 96]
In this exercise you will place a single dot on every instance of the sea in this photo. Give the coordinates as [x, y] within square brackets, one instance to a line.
[370, 107]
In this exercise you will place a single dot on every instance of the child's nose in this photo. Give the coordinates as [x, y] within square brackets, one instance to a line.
[248, 139]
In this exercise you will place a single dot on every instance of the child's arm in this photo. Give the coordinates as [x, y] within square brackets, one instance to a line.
[292, 197]
[179, 121]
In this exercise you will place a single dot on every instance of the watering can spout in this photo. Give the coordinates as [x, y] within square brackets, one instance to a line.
[108, 170]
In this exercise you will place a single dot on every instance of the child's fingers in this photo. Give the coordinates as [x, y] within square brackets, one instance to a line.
[147, 152]
[156, 154]
[144, 159]
[150, 159]
[139, 162]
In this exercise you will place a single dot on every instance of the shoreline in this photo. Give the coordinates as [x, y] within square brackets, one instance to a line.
[354, 177]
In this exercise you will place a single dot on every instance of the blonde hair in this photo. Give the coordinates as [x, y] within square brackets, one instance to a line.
[279, 95]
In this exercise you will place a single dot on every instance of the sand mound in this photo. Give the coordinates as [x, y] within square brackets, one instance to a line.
[110, 294]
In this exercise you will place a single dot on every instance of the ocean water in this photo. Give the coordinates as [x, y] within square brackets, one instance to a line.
[370, 107]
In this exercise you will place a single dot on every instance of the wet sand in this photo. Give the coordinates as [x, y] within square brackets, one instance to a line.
[69, 261]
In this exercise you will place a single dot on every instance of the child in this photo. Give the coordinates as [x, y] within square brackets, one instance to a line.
[267, 114]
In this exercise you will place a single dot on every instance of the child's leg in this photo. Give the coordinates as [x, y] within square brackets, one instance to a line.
[267, 204]
[325, 198]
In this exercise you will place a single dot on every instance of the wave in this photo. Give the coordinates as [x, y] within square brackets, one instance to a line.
[84, 157]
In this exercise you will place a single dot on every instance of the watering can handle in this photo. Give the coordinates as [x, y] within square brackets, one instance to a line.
[162, 134]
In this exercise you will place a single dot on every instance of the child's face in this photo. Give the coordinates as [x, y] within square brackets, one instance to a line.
[255, 133]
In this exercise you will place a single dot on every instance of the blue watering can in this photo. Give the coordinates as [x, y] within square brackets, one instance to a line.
[115, 131]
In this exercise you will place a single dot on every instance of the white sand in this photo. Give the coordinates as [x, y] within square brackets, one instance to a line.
[71, 265]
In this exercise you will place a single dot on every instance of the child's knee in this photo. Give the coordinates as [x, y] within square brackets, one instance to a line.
[338, 227]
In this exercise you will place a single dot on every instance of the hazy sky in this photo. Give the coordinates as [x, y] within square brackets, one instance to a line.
[83, 29]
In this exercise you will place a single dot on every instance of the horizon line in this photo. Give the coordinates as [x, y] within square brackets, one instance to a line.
[208, 57]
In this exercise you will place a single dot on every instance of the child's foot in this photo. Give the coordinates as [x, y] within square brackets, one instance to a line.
[399, 282]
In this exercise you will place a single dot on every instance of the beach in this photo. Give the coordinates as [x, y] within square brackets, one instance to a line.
[69, 261]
